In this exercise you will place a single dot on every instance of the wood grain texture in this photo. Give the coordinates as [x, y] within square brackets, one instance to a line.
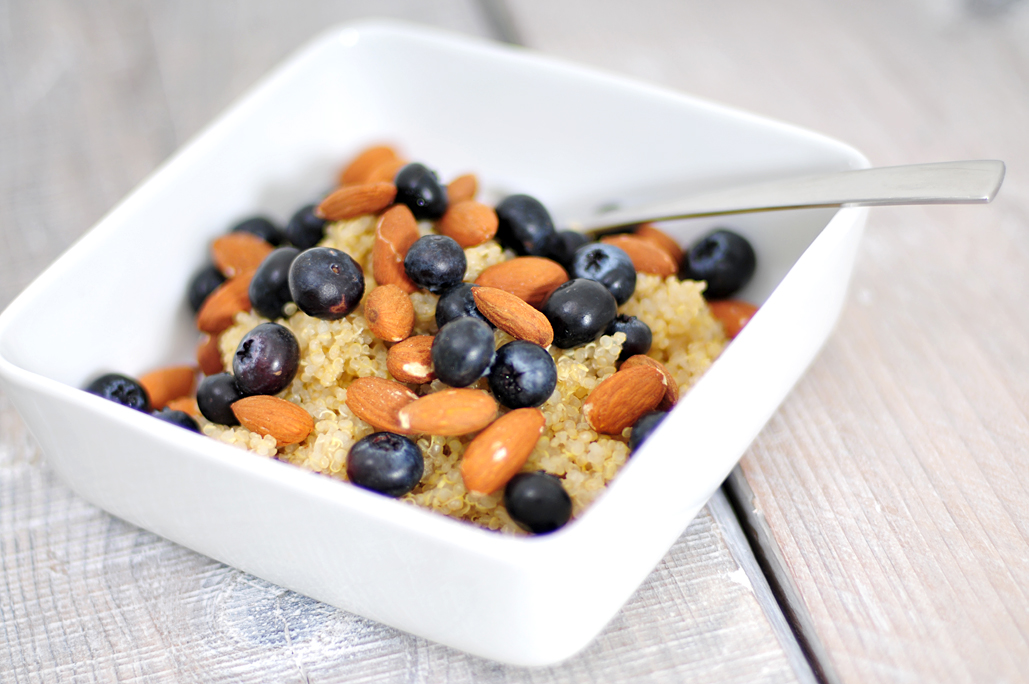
[93, 96]
[892, 483]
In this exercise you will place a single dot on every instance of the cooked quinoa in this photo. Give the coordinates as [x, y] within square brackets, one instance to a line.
[686, 339]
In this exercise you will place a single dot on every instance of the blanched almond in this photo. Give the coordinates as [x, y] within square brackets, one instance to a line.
[222, 305]
[499, 452]
[529, 278]
[165, 384]
[361, 168]
[356, 200]
[462, 188]
[390, 313]
[469, 223]
[396, 231]
[646, 256]
[411, 360]
[671, 386]
[238, 252]
[209, 356]
[449, 413]
[513, 315]
[378, 401]
[620, 400]
[648, 231]
[287, 422]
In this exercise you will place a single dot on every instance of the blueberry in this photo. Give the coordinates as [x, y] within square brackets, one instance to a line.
[579, 311]
[266, 360]
[215, 397]
[386, 463]
[179, 418]
[564, 246]
[524, 374]
[608, 265]
[436, 263]
[269, 288]
[722, 258]
[305, 230]
[462, 351]
[203, 284]
[647, 423]
[121, 389]
[421, 191]
[525, 226]
[637, 335]
[457, 302]
[537, 502]
[326, 283]
[261, 227]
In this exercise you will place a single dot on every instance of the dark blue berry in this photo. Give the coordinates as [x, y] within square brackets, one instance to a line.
[436, 263]
[608, 265]
[647, 423]
[421, 191]
[215, 397]
[269, 288]
[266, 360]
[386, 463]
[722, 258]
[524, 374]
[203, 284]
[564, 246]
[525, 226]
[121, 389]
[462, 351]
[305, 230]
[537, 502]
[326, 283]
[261, 227]
[579, 311]
[457, 302]
[179, 418]
[637, 335]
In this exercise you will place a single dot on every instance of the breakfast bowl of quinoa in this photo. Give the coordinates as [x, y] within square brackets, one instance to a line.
[442, 559]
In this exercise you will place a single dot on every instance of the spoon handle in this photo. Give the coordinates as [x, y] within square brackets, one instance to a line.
[955, 182]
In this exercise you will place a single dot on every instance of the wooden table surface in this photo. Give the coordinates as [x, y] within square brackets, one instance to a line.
[886, 498]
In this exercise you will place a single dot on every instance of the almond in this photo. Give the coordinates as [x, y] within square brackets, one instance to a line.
[411, 360]
[646, 256]
[222, 305]
[396, 232]
[360, 170]
[469, 223]
[671, 386]
[620, 400]
[649, 232]
[186, 405]
[287, 422]
[499, 452]
[733, 314]
[449, 413]
[377, 401]
[463, 188]
[238, 252]
[165, 384]
[209, 356]
[356, 200]
[530, 278]
[513, 315]
[390, 313]
[386, 171]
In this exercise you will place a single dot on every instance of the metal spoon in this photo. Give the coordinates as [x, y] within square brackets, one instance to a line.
[956, 182]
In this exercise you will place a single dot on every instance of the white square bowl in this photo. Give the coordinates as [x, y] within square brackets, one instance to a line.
[572, 137]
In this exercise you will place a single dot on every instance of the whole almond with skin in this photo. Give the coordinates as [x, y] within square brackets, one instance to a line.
[396, 231]
[411, 360]
[469, 223]
[448, 413]
[351, 201]
[651, 233]
[499, 452]
[238, 252]
[532, 279]
[221, 306]
[620, 400]
[287, 422]
[513, 315]
[390, 313]
[165, 384]
[361, 168]
[378, 401]
[209, 356]
[186, 405]
[646, 256]
[671, 386]
[463, 188]
[386, 171]
[733, 314]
